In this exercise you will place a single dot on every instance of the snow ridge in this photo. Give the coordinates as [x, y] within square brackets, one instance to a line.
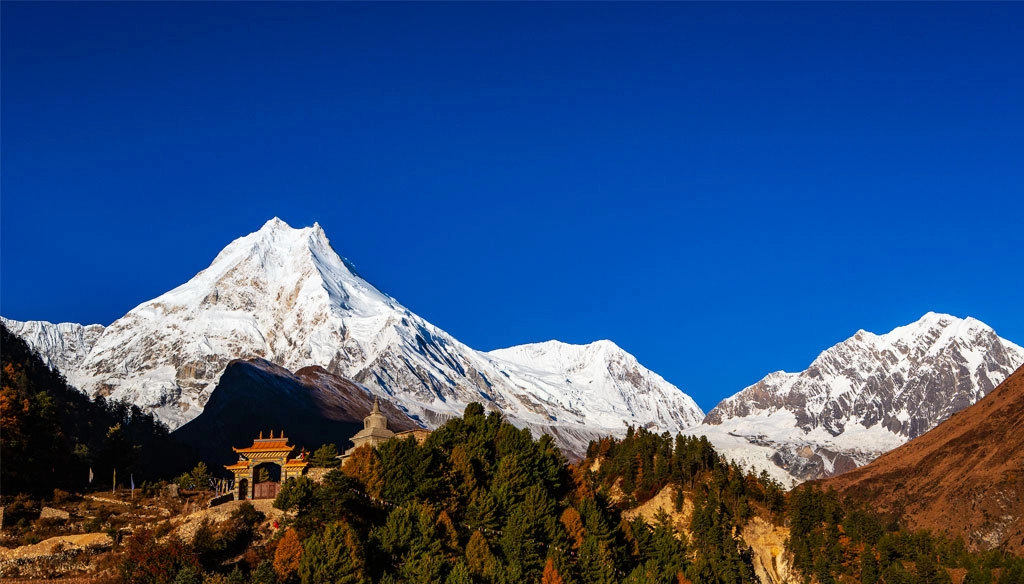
[864, 396]
[64, 345]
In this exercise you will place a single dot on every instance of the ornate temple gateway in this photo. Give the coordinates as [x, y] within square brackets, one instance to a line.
[262, 467]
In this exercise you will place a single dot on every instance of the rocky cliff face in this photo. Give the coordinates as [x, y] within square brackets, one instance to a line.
[772, 563]
[284, 295]
[864, 396]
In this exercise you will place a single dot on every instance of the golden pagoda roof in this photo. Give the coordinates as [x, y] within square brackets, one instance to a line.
[261, 444]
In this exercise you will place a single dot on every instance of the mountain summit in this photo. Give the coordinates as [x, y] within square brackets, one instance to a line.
[865, 395]
[284, 295]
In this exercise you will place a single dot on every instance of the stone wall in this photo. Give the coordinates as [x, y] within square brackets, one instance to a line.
[317, 474]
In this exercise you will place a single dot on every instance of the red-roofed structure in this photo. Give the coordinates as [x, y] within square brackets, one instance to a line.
[265, 451]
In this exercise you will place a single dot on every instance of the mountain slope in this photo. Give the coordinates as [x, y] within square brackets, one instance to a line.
[284, 295]
[62, 346]
[964, 478]
[311, 405]
[862, 397]
[51, 435]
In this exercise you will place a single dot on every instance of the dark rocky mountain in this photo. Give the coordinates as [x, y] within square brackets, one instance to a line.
[311, 406]
[964, 478]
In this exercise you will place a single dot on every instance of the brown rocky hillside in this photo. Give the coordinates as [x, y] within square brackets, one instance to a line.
[963, 478]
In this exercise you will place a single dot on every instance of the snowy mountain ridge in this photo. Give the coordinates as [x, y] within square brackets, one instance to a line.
[567, 373]
[62, 346]
[863, 396]
[284, 295]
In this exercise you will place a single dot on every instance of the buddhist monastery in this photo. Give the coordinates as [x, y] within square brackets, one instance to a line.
[270, 454]
[375, 431]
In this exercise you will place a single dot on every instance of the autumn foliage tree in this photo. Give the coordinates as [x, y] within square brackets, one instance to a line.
[364, 466]
[146, 560]
[287, 556]
[550, 575]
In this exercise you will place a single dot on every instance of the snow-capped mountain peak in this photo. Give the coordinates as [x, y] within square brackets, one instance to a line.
[558, 354]
[284, 295]
[602, 373]
[870, 392]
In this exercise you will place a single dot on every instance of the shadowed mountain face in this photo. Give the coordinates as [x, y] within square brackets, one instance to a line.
[312, 407]
[964, 478]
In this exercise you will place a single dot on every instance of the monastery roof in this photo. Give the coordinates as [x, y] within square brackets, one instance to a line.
[420, 434]
[261, 444]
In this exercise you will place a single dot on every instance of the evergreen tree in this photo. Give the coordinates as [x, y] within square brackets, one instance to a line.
[201, 476]
[459, 574]
[1013, 573]
[296, 494]
[520, 545]
[325, 457]
[483, 513]
[335, 555]
[668, 549]
[479, 558]
[335, 498]
[596, 561]
[868, 566]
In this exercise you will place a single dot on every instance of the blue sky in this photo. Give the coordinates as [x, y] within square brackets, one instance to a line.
[724, 190]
